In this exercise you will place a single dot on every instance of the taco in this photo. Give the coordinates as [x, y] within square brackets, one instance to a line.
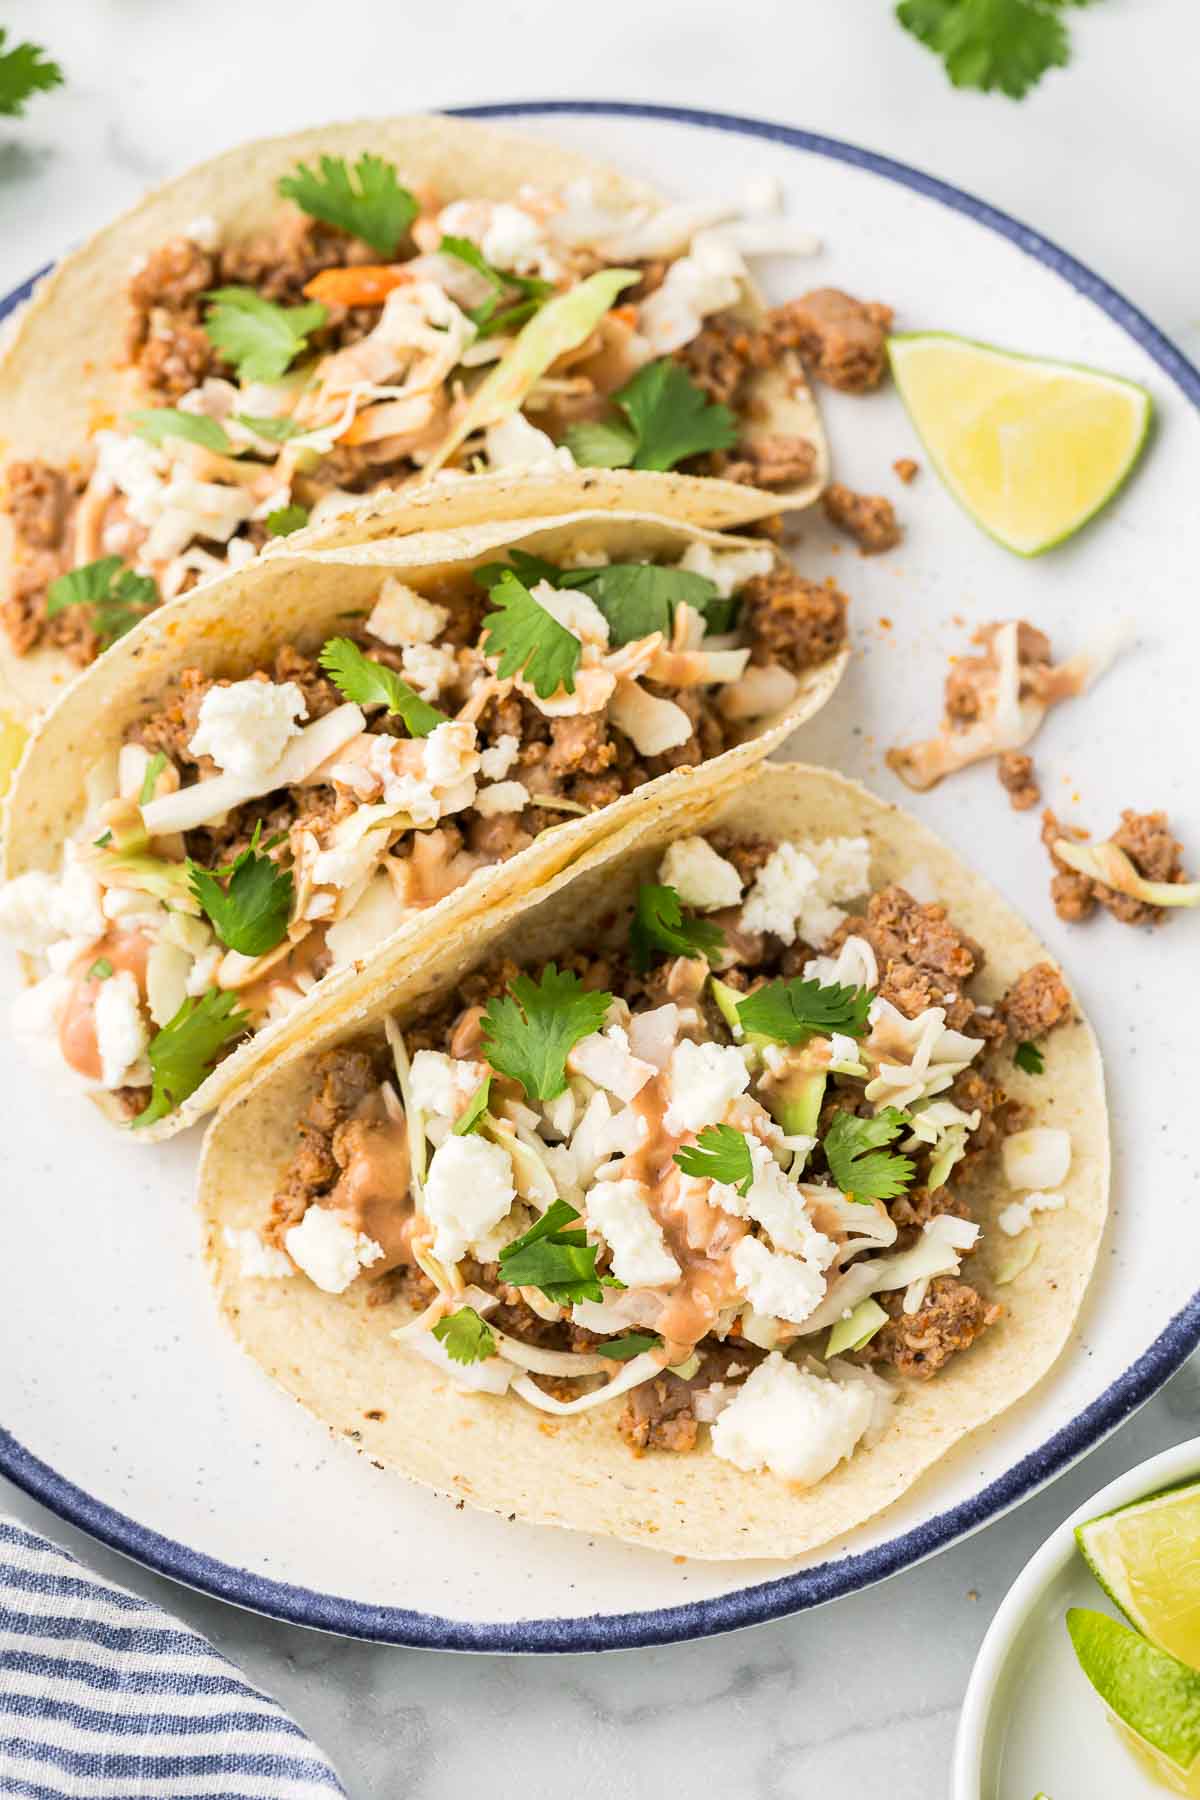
[309, 320]
[324, 761]
[704, 1200]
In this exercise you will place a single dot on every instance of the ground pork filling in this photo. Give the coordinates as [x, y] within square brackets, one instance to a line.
[378, 384]
[212, 878]
[762, 1310]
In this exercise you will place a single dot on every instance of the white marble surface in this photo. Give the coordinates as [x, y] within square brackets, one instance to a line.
[860, 1698]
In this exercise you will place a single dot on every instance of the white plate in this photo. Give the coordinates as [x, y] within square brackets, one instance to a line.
[132, 1414]
[1031, 1720]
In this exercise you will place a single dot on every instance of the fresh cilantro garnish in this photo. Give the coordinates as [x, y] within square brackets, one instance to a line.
[260, 339]
[513, 299]
[527, 569]
[378, 210]
[660, 927]
[250, 913]
[793, 1011]
[100, 970]
[118, 597]
[601, 444]
[624, 1349]
[1028, 1057]
[670, 418]
[464, 1336]
[278, 431]
[286, 519]
[187, 1049]
[154, 769]
[104, 838]
[369, 683]
[561, 1263]
[1005, 44]
[25, 70]
[162, 422]
[477, 1107]
[861, 1167]
[720, 1153]
[529, 1032]
[529, 641]
[635, 598]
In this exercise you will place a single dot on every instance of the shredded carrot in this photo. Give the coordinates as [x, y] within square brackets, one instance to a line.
[367, 285]
[625, 315]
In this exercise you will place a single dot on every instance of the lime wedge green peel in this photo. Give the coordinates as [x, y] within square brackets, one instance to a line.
[1146, 1557]
[1032, 449]
[1155, 1697]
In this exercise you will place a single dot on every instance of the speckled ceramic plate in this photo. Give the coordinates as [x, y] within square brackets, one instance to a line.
[127, 1409]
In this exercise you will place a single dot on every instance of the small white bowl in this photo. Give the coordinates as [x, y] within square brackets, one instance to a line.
[1031, 1721]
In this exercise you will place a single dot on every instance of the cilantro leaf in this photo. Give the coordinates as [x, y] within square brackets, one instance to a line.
[118, 597]
[793, 1011]
[276, 431]
[513, 299]
[370, 683]
[161, 422]
[720, 1153]
[861, 1167]
[624, 1349]
[529, 1032]
[561, 1263]
[601, 444]
[378, 210]
[638, 598]
[25, 70]
[1028, 1057]
[100, 970]
[660, 927]
[286, 519]
[464, 1336]
[672, 417]
[528, 640]
[154, 769]
[528, 569]
[260, 339]
[476, 1108]
[251, 913]
[986, 44]
[187, 1049]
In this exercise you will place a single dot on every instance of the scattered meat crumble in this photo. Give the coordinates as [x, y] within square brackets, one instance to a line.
[869, 519]
[1147, 841]
[1017, 777]
[907, 468]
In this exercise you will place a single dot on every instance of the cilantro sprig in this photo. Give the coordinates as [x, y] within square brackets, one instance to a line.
[862, 1168]
[624, 1349]
[793, 1011]
[513, 299]
[260, 339]
[661, 927]
[369, 683]
[250, 912]
[1028, 1057]
[669, 419]
[560, 1262]
[986, 44]
[119, 598]
[378, 209]
[25, 70]
[529, 641]
[529, 1032]
[464, 1336]
[635, 598]
[188, 1048]
[720, 1153]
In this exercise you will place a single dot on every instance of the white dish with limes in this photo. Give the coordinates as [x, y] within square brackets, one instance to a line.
[1032, 1722]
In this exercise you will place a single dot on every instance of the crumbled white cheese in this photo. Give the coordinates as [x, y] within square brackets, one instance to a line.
[121, 1032]
[245, 725]
[707, 280]
[1018, 1216]
[513, 239]
[513, 443]
[1037, 1158]
[704, 1079]
[402, 616]
[498, 758]
[329, 1249]
[620, 1212]
[429, 668]
[574, 610]
[468, 1190]
[652, 1034]
[443, 1084]
[501, 797]
[795, 891]
[257, 1260]
[782, 1287]
[425, 777]
[778, 1205]
[797, 1424]
[652, 724]
[729, 569]
[699, 876]
[604, 1057]
[780, 890]
[26, 910]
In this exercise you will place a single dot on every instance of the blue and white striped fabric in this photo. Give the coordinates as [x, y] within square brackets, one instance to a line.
[105, 1697]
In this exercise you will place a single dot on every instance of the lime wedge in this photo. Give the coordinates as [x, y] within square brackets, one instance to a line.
[1146, 1557]
[1031, 448]
[1154, 1697]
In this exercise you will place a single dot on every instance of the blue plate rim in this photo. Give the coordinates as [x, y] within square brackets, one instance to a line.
[803, 1588]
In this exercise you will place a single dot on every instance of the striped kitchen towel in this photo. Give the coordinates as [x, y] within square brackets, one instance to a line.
[105, 1697]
